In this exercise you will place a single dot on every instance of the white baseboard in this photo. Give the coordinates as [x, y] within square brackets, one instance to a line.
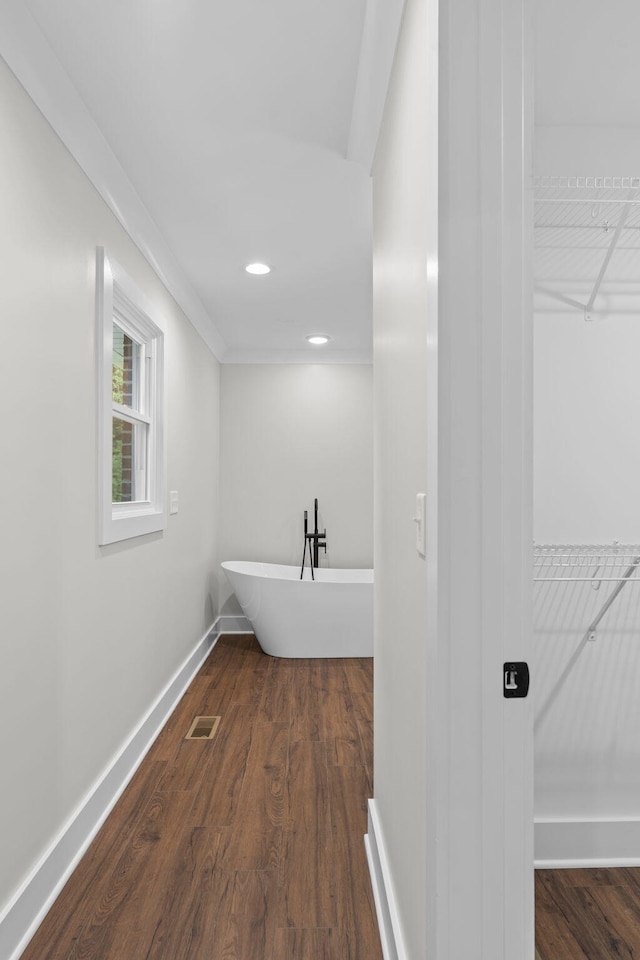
[383, 890]
[233, 624]
[587, 843]
[26, 910]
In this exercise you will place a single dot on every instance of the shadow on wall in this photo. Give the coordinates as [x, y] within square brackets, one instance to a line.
[211, 599]
[231, 607]
[587, 700]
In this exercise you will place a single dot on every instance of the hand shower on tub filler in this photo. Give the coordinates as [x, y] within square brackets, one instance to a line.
[316, 541]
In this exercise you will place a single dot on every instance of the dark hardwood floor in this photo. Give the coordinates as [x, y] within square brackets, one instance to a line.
[249, 846]
[588, 914]
[245, 847]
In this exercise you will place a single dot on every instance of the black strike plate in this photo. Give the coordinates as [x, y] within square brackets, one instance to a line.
[515, 679]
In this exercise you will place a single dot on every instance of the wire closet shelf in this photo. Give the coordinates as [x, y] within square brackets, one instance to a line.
[586, 563]
[587, 244]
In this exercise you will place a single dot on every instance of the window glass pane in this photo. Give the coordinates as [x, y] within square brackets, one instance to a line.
[126, 369]
[128, 461]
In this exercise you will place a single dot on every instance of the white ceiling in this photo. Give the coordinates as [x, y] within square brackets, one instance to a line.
[232, 123]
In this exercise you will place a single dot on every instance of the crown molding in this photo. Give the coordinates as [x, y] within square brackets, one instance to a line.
[298, 356]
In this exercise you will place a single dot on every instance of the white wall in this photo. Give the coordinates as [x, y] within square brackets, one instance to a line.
[587, 757]
[586, 467]
[587, 429]
[401, 233]
[290, 433]
[587, 151]
[587, 461]
[89, 636]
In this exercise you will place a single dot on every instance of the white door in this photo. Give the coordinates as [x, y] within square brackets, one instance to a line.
[453, 795]
[485, 452]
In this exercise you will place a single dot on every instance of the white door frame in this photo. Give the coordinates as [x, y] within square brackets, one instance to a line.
[483, 751]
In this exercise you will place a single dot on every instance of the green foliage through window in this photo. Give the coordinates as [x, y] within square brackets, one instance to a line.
[124, 357]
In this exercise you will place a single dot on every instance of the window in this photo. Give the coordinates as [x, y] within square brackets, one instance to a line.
[130, 407]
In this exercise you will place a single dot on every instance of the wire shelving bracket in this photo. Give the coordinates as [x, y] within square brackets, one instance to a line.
[588, 563]
[587, 231]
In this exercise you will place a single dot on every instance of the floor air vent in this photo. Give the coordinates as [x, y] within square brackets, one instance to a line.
[203, 728]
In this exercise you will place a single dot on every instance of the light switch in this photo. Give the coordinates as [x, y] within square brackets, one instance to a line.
[173, 501]
[421, 526]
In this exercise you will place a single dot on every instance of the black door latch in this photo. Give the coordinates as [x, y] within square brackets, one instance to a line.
[515, 679]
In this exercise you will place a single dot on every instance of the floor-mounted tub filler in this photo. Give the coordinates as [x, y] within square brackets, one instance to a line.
[331, 616]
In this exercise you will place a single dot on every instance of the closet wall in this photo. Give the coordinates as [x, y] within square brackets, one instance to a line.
[587, 465]
[587, 428]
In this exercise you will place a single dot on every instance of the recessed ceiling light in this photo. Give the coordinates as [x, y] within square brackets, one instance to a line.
[258, 269]
[319, 338]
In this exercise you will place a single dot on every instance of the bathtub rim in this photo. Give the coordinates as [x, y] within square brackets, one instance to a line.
[288, 572]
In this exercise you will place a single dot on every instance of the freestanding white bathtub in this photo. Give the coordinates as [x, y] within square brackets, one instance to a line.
[331, 616]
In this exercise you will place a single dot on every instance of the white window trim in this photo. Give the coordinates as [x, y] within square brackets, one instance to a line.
[116, 292]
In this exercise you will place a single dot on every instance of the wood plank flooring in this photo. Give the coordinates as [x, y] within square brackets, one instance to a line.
[245, 847]
[588, 914]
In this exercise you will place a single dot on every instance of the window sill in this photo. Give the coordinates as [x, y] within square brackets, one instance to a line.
[127, 523]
